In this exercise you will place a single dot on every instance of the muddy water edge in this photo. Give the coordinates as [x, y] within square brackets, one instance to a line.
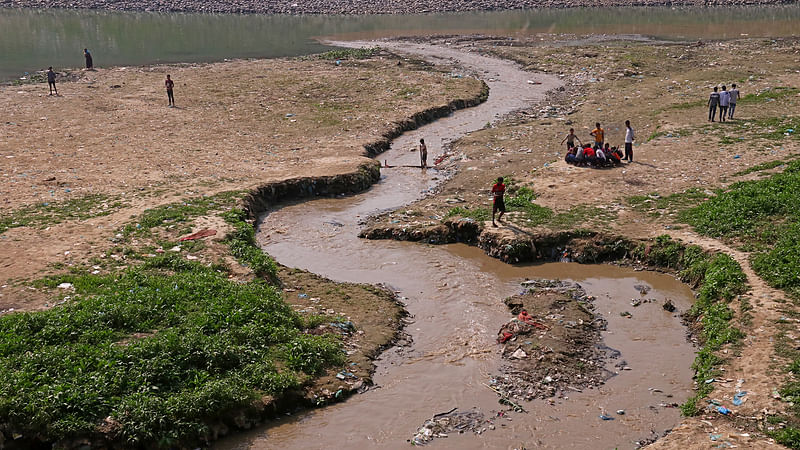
[454, 295]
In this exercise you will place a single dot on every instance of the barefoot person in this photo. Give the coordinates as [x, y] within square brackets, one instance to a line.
[570, 139]
[423, 154]
[498, 190]
[169, 84]
[51, 81]
[88, 56]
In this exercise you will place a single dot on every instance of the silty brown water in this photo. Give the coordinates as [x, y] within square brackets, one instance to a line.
[454, 293]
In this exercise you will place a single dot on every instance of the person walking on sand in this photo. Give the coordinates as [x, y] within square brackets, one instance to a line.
[88, 56]
[423, 154]
[734, 92]
[599, 136]
[724, 101]
[570, 139]
[629, 137]
[51, 81]
[713, 102]
[169, 84]
[498, 204]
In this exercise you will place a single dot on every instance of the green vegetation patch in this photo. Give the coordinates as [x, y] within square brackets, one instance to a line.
[768, 95]
[657, 205]
[242, 242]
[181, 212]
[760, 167]
[49, 213]
[163, 349]
[764, 215]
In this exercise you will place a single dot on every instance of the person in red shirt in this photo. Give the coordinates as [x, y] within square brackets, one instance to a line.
[498, 204]
[588, 155]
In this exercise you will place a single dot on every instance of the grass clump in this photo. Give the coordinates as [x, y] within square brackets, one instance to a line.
[181, 212]
[164, 349]
[50, 213]
[760, 167]
[768, 95]
[522, 201]
[476, 214]
[242, 243]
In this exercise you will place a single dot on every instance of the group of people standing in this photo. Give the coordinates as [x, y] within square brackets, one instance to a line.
[725, 100]
[169, 84]
[601, 154]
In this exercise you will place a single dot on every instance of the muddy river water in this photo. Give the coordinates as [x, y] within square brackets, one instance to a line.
[454, 294]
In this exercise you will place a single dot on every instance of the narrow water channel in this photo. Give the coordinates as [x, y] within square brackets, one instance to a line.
[455, 294]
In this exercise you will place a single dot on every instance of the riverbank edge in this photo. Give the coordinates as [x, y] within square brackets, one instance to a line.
[363, 9]
[263, 198]
[689, 263]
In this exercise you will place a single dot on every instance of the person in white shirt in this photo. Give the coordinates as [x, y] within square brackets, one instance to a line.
[724, 102]
[734, 93]
[629, 137]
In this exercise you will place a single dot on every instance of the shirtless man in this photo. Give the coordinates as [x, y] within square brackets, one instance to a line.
[423, 154]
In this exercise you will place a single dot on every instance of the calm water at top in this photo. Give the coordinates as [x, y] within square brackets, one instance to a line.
[32, 39]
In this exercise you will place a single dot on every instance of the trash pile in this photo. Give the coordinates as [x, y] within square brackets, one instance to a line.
[443, 424]
[552, 346]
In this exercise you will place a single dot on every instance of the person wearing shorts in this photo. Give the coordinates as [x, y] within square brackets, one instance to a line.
[570, 139]
[498, 204]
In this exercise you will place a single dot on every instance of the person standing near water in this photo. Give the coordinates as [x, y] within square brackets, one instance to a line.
[629, 137]
[734, 92]
[570, 139]
[498, 204]
[88, 56]
[423, 154]
[169, 84]
[713, 102]
[51, 80]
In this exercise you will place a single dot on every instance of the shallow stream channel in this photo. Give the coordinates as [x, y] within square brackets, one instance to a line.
[454, 295]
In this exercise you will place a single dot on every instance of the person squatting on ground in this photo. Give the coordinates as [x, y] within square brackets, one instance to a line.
[169, 84]
[734, 93]
[423, 154]
[570, 139]
[587, 156]
[88, 56]
[713, 102]
[724, 101]
[51, 81]
[498, 204]
[599, 136]
[629, 137]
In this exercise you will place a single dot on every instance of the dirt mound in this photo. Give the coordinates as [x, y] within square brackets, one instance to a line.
[553, 344]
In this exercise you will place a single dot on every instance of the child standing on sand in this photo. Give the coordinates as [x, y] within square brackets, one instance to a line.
[498, 204]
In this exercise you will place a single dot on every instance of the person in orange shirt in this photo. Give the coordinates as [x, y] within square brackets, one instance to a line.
[599, 136]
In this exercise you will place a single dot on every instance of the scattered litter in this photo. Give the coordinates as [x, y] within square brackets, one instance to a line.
[738, 398]
[302, 295]
[714, 437]
[605, 417]
[519, 354]
[621, 412]
[65, 286]
[451, 421]
[723, 410]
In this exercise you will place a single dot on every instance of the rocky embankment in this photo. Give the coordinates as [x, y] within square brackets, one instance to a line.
[355, 6]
